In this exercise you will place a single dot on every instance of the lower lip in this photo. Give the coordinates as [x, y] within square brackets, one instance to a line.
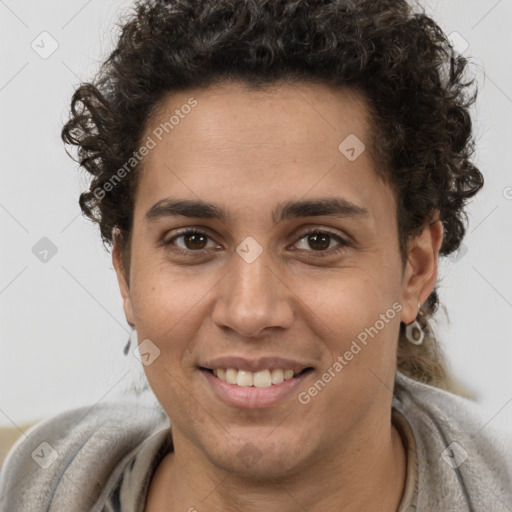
[251, 397]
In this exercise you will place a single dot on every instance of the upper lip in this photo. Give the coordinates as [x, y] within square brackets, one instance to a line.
[255, 365]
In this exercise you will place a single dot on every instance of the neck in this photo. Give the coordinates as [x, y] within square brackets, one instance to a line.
[364, 474]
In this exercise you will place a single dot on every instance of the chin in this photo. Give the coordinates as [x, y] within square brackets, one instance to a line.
[260, 459]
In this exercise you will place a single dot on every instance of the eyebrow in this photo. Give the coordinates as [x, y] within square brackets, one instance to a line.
[199, 209]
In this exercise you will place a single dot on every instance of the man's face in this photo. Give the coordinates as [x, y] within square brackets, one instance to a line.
[256, 288]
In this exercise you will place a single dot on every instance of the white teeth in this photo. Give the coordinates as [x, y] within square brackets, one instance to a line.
[244, 378]
[260, 379]
[277, 376]
[231, 374]
[288, 374]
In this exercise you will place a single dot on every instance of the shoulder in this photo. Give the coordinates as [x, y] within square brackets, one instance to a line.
[64, 462]
[458, 449]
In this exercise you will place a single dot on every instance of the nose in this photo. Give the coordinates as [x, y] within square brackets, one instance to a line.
[253, 297]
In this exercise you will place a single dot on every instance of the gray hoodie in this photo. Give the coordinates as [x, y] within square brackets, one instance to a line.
[102, 458]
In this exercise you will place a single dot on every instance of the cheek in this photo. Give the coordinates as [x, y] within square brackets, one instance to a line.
[160, 291]
[357, 320]
[169, 309]
[170, 304]
[349, 300]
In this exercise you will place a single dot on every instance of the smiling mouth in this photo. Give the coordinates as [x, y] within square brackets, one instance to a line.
[260, 379]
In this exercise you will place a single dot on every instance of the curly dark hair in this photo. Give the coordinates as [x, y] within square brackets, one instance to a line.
[396, 56]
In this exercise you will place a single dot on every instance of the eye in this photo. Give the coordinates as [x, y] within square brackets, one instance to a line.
[320, 240]
[194, 240]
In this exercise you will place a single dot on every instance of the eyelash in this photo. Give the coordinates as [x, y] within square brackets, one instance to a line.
[301, 235]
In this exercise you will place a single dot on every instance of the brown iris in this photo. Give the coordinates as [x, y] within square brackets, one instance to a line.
[314, 239]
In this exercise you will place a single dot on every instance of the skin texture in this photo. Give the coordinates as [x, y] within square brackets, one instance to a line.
[247, 152]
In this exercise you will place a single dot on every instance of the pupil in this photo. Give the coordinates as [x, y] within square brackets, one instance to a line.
[313, 238]
[192, 236]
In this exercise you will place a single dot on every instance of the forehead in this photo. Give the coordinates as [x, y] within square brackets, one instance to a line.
[288, 139]
[295, 110]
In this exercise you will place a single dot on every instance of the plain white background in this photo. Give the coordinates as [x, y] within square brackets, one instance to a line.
[62, 328]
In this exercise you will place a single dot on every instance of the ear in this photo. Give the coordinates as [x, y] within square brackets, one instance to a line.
[122, 279]
[420, 274]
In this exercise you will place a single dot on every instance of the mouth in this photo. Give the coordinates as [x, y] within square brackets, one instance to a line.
[259, 379]
[251, 390]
